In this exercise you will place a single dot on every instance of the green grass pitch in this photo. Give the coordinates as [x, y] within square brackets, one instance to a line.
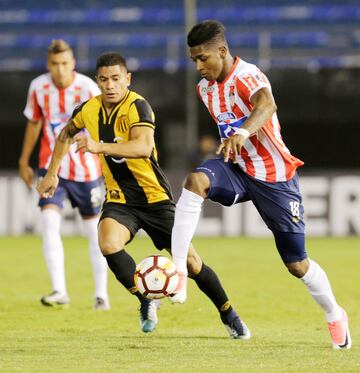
[289, 330]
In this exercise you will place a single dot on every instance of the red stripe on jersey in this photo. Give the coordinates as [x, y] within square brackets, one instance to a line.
[222, 98]
[71, 168]
[47, 101]
[77, 97]
[291, 162]
[83, 164]
[36, 107]
[62, 100]
[267, 159]
[249, 166]
[237, 111]
[243, 93]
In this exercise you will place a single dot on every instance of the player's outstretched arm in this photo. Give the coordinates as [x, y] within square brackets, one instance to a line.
[48, 184]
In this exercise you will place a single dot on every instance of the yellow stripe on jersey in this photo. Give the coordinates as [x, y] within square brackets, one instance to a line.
[129, 181]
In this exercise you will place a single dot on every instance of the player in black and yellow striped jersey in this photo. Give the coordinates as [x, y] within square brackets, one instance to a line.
[121, 127]
[133, 181]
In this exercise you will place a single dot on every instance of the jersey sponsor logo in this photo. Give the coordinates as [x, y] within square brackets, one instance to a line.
[226, 130]
[206, 90]
[206, 169]
[225, 116]
[114, 159]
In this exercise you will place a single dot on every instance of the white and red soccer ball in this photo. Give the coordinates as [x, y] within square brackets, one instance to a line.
[156, 277]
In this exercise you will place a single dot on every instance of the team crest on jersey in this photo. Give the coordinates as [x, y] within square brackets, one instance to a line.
[225, 116]
[114, 194]
[232, 98]
[122, 123]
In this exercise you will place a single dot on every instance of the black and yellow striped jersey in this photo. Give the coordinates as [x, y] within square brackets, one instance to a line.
[129, 181]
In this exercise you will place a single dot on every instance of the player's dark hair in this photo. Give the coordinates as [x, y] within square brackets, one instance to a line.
[206, 32]
[58, 46]
[111, 59]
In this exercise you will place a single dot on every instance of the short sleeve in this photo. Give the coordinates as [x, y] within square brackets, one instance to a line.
[32, 109]
[77, 116]
[141, 114]
[251, 82]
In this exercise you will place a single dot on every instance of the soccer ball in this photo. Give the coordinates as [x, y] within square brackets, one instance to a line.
[156, 277]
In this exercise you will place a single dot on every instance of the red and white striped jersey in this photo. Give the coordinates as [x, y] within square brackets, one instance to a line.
[54, 107]
[264, 155]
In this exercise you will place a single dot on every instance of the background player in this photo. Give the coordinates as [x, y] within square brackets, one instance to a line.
[51, 100]
[257, 167]
[121, 124]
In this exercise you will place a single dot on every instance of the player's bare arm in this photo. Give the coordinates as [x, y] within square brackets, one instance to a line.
[47, 186]
[140, 144]
[31, 137]
[263, 108]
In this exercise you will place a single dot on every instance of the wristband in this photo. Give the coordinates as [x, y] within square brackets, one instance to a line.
[243, 132]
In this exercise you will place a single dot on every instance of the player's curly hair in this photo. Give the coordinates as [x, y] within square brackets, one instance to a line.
[110, 59]
[206, 32]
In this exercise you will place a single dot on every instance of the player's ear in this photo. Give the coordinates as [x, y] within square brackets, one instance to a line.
[222, 52]
[128, 77]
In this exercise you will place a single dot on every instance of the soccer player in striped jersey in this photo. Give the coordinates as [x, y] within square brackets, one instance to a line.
[51, 100]
[253, 164]
[121, 125]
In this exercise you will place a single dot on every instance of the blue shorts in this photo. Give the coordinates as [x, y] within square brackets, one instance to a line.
[86, 196]
[279, 204]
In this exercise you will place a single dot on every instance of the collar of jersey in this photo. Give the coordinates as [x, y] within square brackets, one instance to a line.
[108, 117]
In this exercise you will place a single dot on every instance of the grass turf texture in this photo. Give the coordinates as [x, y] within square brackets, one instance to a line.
[289, 331]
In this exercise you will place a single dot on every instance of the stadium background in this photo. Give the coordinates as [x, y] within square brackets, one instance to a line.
[309, 50]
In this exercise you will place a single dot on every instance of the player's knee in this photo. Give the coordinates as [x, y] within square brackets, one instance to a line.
[198, 182]
[298, 269]
[108, 246]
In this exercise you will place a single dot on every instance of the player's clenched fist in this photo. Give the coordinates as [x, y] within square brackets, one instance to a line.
[47, 185]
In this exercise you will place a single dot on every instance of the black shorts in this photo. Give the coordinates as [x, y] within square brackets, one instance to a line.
[156, 220]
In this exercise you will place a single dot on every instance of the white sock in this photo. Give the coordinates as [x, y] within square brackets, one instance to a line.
[187, 215]
[319, 287]
[53, 248]
[98, 261]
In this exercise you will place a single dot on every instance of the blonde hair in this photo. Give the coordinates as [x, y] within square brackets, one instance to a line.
[58, 46]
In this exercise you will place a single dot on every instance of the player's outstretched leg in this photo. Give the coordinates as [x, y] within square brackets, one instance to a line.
[291, 247]
[54, 257]
[123, 267]
[209, 283]
[319, 287]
